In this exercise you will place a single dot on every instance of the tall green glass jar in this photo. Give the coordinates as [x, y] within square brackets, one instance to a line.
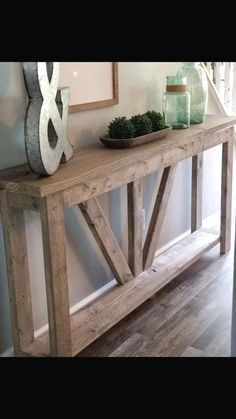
[198, 89]
[176, 103]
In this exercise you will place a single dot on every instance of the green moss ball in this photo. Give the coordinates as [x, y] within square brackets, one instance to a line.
[142, 125]
[157, 120]
[121, 127]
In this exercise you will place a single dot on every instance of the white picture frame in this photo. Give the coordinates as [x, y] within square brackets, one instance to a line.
[92, 85]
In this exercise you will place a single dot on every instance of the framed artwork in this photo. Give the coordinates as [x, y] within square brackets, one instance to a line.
[92, 84]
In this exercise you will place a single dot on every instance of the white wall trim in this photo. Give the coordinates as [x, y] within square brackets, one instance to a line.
[7, 354]
[81, 304]
[172, 243]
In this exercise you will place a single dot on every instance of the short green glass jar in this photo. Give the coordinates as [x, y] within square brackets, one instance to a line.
[176, 103]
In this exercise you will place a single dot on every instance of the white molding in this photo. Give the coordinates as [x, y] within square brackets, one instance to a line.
[208, 222]
[172, 243]
[8, 354]
[81, 304]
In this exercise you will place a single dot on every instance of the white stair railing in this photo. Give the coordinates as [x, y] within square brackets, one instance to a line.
[234, 91]
[223, 76]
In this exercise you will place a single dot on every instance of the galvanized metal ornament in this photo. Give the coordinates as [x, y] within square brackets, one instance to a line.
[46, 140]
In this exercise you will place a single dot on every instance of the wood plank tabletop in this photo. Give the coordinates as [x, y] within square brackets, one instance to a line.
[96, 161]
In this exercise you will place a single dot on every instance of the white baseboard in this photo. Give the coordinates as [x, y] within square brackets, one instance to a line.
[76, 307]
[172, 243]
[81, 304]
[8, 354]
[208, 222]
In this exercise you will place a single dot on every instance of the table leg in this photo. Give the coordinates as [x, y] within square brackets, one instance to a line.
[197, 176]
[135, 226]
[53, 231]
[226, 193]
[18, 274]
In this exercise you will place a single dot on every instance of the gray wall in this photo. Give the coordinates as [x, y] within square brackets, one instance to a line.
[141, 88]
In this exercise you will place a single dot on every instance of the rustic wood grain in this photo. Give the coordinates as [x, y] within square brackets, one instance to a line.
[120, 301]
[92, 309]
[18, 274]
[174, 336]
[135, 226]
[36, 349]
[145, 162]
[179, 294]
[53, 232]
[158, 214]
[131, 347]
[106, 240]
[226, 193]
[24, 201]
[94, 170]
[197, 179]
[193, 353]
[215, 341]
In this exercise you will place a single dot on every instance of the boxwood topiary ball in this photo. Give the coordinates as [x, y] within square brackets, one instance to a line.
[121, 127]
[157, 120]
[142, 125]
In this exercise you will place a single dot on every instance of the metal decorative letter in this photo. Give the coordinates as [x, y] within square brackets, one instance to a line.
[46, 140]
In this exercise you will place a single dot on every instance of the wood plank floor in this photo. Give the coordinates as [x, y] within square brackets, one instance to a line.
[190, 317]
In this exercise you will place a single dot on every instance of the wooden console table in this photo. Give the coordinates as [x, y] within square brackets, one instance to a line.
[93, 171]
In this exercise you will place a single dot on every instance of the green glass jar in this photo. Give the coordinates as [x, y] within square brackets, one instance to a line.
[176, 103]
[198, 89]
